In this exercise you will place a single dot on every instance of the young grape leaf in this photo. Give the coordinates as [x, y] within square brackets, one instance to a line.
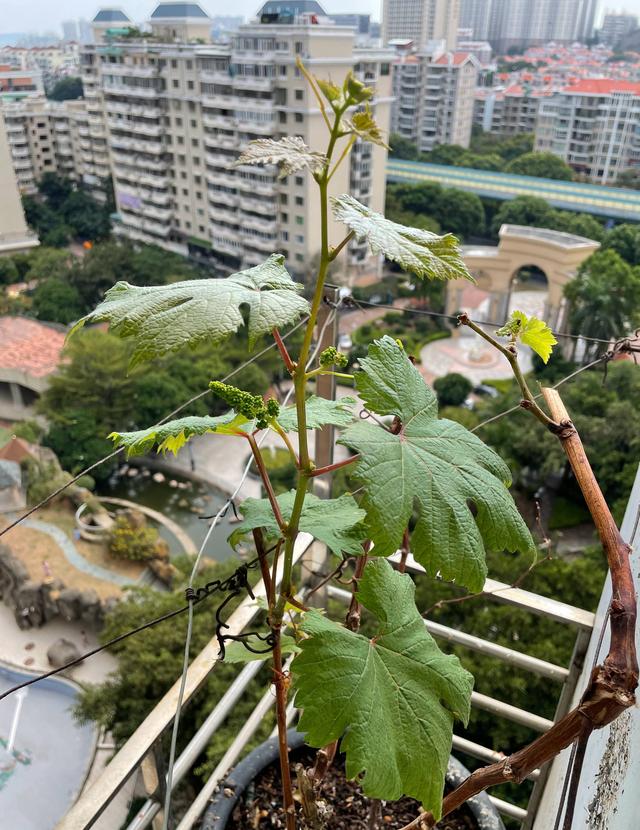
[235, 652]
[424, 253]
[532, 332]
[456, 483]
[320, 411]
[336, 522]
[174, 435]
[164, 318]
[393, 696]
[290, 152]
[364, 125]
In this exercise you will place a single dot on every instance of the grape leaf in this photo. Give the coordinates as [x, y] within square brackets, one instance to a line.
[424, 253]
[393, 696]
[457, 484]
[235, 652]
[320, 411]
[532, 332]
[364, 125]
[290, 152]
[174, 435]
[336, 522]
[164, 318]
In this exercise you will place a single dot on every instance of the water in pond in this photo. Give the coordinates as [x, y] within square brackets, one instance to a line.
[179, 499]
[44, 752]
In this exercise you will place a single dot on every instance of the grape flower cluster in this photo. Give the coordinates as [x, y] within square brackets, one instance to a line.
[331, 356]
[244, 403]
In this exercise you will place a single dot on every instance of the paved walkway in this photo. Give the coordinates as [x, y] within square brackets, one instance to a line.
[74, 557]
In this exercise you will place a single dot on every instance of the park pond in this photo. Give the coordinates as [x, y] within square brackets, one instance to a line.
[45, 754]
[184, 501]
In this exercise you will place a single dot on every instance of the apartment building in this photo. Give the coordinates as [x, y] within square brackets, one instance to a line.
[46, 136]
[51, 62]
[17, 84]
[14, 234]
[593, 125]
[508, 111]
[434, 98]
[421, 21]
[475, 15]
[171, 116]
[520, 22]
[615, 26]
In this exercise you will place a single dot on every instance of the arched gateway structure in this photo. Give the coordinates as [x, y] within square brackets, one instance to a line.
[522, 253]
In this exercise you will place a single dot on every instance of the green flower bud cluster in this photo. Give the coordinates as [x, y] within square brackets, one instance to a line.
[331, 356]
[244, 403]
[352, 93]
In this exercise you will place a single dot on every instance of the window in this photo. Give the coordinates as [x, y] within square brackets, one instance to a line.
[200, 211]
[174, 64]
[299, 200]
[299, 257]
[180, 140]
[298, 47]
[284, 217]
[194, 142]
[197, 179]
[196, 161]
[299, 239]
[384, 68]
[198, 194]
[189, 64]
[185, 192]
[175, 83]
[284, 235]
[193, 123]
[187, 225]
[299, 220]
[190, 84]
[299, 95]
[282, 117]
[283, 71]
[299, 117]
[284, 199]
[178, 122]
[299, 181]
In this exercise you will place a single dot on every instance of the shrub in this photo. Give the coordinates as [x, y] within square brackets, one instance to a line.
[452, 389]
[132, 540]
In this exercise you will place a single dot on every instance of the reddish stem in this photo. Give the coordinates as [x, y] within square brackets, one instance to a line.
[320, 471]
[264, 475]
[286, 357]
[280, 683]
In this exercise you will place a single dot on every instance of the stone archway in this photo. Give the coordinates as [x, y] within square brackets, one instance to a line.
[529, 291]
[557, 255]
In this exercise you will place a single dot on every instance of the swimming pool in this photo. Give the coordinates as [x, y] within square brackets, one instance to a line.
[43, 774]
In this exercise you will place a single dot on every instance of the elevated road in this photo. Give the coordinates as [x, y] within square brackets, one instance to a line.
[615, 202]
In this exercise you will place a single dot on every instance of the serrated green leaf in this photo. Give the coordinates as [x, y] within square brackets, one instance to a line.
[532, 332]
[173, 435]
[423, 253]
[434, 466]
[320, 411]
[364, 125]
[336, 522]
[290, 153]
[164, 318]
[392, 697]
[235, 652]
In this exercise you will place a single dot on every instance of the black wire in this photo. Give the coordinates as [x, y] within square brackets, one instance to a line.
[454, 318]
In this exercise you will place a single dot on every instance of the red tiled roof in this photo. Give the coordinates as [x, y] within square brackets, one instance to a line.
[29, 346]
[603, 86]
[17, 449]
[455, 59]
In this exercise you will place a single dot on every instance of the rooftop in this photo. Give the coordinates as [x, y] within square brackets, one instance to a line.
[181, 10]
[111, 16]
[603, 86]
[29, 346]
[292, 8]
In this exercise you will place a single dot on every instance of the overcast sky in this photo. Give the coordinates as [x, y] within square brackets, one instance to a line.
[47, 15]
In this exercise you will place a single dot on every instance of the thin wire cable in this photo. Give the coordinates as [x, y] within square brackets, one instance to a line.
[566, 379]
[454, 318]
[166, 418]
[187, 646]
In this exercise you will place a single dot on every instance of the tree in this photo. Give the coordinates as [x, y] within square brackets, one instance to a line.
[80, 212]
[507, 148]
[445, 154]
[523, 210]
[55, 190]
[543, 165]
[57, 301]
[452, 389]
[48, 263]
[580, 224]
[488, 161]
[66, 89]
[402, 148]
[624, 240]
[462, 213]
[8, 271]
[604, 297]
[629, 178]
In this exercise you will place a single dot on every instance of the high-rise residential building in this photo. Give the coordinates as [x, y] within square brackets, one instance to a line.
[593, 125]
[617, 26]
[434, 97]
[16, 84]
[46, 137]
[508, 111]
[421, 21]
[475, 15]
[14, 234]
[168, 117]
[520, 23]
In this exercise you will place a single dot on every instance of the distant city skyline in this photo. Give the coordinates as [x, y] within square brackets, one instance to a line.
[42, 16]
[36, 16]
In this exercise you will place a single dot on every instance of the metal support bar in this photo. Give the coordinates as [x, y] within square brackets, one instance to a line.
[512, 713]
[86, 811]
[483, 753]
[545, 607]
[230, 757]
[508, 809]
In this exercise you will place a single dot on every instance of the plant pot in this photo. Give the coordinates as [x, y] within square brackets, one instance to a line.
[219, 812]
